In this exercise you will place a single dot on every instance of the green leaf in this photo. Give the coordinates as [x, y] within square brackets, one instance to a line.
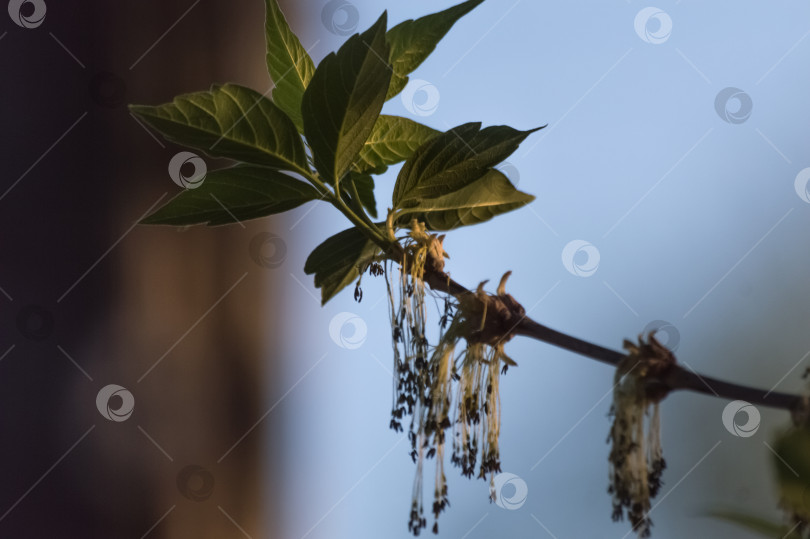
[230, 121]
[344, 99]
[288, 63]
[491, 195]
[792, 462]
[453, 160]
[234, 194]
[364, 183]
[392, 140]
[412, 41]
[335, 261]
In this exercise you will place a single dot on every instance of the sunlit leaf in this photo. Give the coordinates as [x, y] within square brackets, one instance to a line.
[412, 41]
[453, 160]
[230, 121]
[392, 140]
[477, 202]
[288, 63]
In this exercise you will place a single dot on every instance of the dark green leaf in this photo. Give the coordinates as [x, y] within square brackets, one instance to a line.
[392, 140]
[792, 462]
[793, 448]
[230, 121]
[344, 99]
[479, 201]
[234, 194]
[288, 63]
[453, 160]
[335, 261]
[413, 40]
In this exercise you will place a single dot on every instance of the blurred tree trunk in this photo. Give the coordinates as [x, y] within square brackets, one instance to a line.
[87, 302]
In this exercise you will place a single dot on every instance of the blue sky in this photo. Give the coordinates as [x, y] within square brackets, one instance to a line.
[697, 221]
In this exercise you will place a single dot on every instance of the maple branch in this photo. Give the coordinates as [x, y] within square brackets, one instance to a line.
[507, 310]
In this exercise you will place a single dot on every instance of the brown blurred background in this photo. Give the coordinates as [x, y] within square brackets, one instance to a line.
[183, 320]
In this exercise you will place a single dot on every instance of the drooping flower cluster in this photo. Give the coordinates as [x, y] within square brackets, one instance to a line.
[424, 377]
[636, 456]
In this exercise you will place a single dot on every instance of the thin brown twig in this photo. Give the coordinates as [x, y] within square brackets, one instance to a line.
[676, 378]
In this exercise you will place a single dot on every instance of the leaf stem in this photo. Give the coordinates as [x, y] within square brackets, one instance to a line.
[358, 205]
[365, 225]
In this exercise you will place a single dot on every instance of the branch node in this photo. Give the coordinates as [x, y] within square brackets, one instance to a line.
[651, 362]
[494, 316]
